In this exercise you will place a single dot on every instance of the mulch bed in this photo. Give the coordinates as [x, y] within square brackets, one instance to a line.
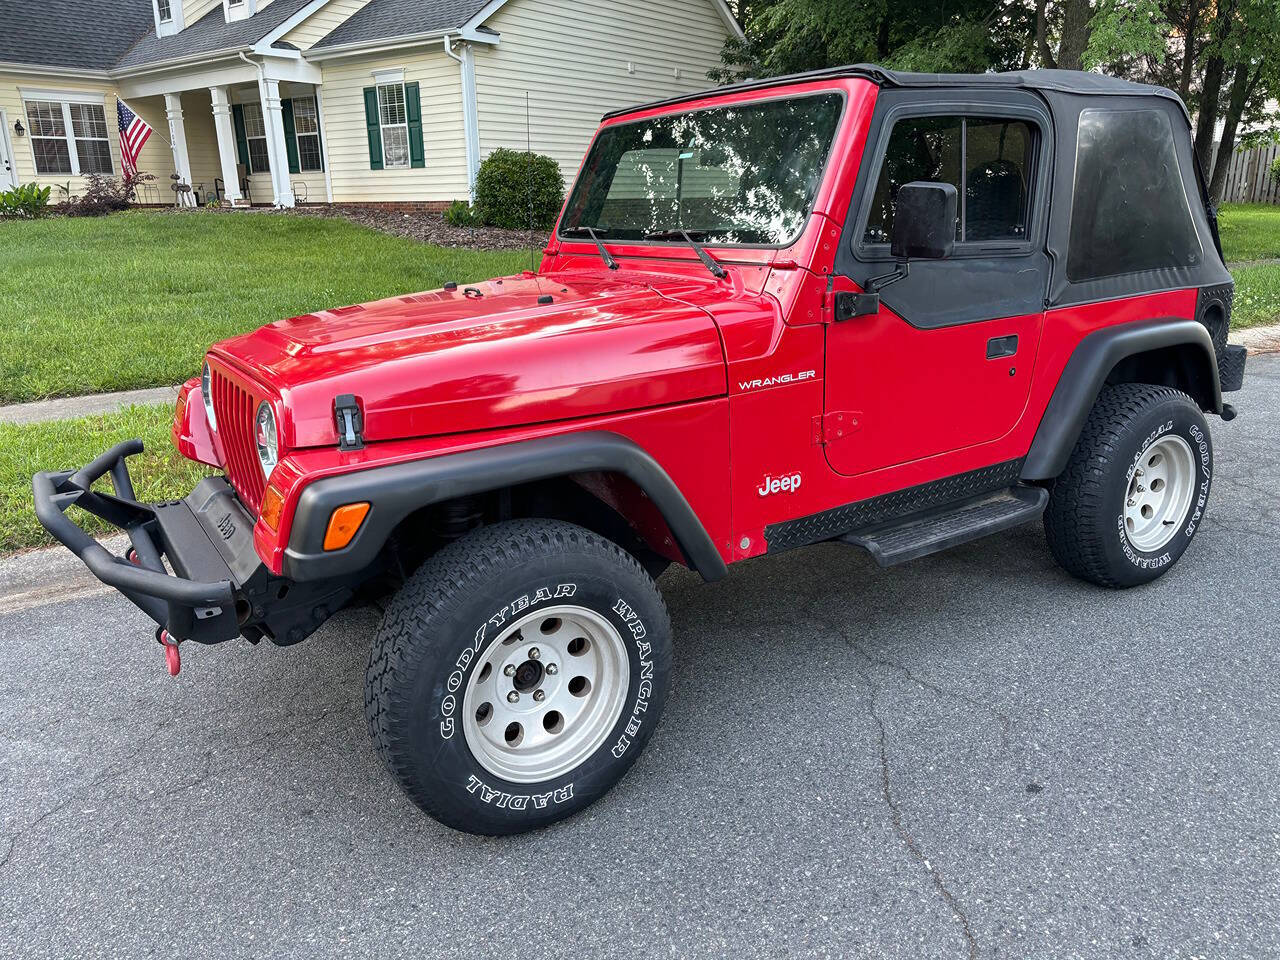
[425, 227]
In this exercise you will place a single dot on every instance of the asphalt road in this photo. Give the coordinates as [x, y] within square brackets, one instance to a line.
[969, 755]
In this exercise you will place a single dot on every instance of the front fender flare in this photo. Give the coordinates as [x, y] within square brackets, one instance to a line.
[397, 490]
[1086, 373]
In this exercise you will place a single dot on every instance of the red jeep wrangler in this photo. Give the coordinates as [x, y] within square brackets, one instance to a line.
[895, 311]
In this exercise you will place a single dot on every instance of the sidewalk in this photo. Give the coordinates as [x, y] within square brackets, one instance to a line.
[64, 408]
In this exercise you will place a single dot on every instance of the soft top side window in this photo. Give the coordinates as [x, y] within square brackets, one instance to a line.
[990, 161]
[1130, 210]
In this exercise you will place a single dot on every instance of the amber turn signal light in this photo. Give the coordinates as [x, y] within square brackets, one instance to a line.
[272, 507]
[343, 525]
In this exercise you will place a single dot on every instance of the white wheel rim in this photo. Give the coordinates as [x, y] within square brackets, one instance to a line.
[545, 694]
[1161, 485]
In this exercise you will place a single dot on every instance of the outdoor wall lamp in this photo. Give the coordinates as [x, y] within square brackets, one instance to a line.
[18, 128]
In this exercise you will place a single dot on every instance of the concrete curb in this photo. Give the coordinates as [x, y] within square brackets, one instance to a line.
[1258, 339]
[64, 408]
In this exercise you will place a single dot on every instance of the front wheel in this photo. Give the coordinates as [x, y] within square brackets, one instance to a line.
[517, 675]
[1135, 488]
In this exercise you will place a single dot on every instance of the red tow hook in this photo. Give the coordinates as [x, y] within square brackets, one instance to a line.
[172, 658]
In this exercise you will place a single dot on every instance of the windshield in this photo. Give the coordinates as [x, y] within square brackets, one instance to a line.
[741, 174]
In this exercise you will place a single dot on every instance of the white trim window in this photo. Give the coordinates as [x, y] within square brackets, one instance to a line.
[306, 130]
[165, 11]
[393, 120]
[255, 135]
[68, 137]
[89, 128]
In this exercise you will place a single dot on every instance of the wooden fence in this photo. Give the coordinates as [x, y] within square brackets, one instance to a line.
[1249, 176]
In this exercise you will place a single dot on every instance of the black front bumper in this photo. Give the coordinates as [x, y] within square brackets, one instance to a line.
[215, 587]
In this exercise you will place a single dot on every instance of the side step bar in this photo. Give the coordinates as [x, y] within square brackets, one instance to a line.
[921, 534]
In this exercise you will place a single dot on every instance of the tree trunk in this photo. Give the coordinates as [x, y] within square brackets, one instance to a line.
[1211, 88]
[1042, 35]
[1242, 86]
[1075, 34]
[882, 39]
[1189, 49]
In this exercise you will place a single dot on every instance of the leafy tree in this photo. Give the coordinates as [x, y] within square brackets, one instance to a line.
[790, 36]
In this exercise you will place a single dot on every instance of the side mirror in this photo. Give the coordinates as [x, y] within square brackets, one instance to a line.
[924, 221]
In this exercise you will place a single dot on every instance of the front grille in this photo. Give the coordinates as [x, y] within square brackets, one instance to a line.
[234, 408]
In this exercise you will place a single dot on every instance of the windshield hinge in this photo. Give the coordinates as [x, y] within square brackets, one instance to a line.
[349, 421]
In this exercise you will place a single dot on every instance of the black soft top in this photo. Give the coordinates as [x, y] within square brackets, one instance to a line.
[1059, 81]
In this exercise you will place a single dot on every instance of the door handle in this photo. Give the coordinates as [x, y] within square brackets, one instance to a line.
[998, 347]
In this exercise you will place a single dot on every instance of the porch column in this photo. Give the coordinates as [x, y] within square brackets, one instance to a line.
[178, 142]
[273, 119]
[226, 144]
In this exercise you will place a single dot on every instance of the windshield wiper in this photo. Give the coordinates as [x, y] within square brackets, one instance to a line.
[716, 270]
[605, 255]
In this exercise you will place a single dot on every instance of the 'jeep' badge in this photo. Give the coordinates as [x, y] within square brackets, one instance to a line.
[785, 484]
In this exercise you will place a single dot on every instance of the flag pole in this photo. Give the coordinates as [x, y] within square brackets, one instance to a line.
[154, 132]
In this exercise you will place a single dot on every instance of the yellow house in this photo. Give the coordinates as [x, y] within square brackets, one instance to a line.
[377, 102]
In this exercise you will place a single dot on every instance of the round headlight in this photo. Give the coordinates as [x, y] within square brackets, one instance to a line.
[206, 394]
[267, 437]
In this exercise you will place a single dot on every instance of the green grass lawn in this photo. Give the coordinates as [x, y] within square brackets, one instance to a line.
[1249, 231]
[158, 474]
[1252, 232]
[133, 300]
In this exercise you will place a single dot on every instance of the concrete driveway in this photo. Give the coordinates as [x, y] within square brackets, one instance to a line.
[971, 755]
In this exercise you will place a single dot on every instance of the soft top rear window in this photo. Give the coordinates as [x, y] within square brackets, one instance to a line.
[738, 174]
[1129, 213]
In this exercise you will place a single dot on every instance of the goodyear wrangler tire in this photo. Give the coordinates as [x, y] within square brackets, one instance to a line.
[1134, 492]
[517, 675]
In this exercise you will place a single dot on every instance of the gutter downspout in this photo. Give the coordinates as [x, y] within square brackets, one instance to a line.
[470, 118]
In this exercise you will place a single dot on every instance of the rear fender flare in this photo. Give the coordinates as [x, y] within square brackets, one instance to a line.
[397, 490]
[1086, 374]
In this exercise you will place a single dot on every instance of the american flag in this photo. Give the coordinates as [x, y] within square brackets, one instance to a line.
[134, 132]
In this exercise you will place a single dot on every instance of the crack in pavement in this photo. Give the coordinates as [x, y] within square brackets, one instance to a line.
[124, 766]
[897, 821]
[105, 776]
[899, 824]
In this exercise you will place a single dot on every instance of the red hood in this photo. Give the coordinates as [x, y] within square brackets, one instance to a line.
[450, 361]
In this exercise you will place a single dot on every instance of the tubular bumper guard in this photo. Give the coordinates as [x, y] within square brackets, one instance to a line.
[219, 588]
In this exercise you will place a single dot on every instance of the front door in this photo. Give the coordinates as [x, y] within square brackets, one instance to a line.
[946, 363]
[8, 167]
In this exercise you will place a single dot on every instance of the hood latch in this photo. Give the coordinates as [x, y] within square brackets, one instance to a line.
[349, 421]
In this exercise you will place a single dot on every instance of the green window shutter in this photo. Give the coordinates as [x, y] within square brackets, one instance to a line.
[242, 142]
[290, 136]
[371, 126]
[413, 110]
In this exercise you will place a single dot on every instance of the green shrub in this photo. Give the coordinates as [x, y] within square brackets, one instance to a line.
[510, 183]
[103, 195]
[25, 202]
[462, 214]
[1275, 170]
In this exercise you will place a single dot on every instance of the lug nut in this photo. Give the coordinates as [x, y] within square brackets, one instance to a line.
[509, 670]
[513, 697]
[1141, 488]
[1138, 472]
[534, 653]
[539, 695]
[552, 669]
[1133, 502]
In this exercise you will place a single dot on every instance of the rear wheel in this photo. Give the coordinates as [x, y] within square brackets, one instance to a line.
[1135, 489]
[517, 675]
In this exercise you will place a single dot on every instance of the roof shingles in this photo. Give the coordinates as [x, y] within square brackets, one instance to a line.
[81, 34]
[385, 19]
[120, 34]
